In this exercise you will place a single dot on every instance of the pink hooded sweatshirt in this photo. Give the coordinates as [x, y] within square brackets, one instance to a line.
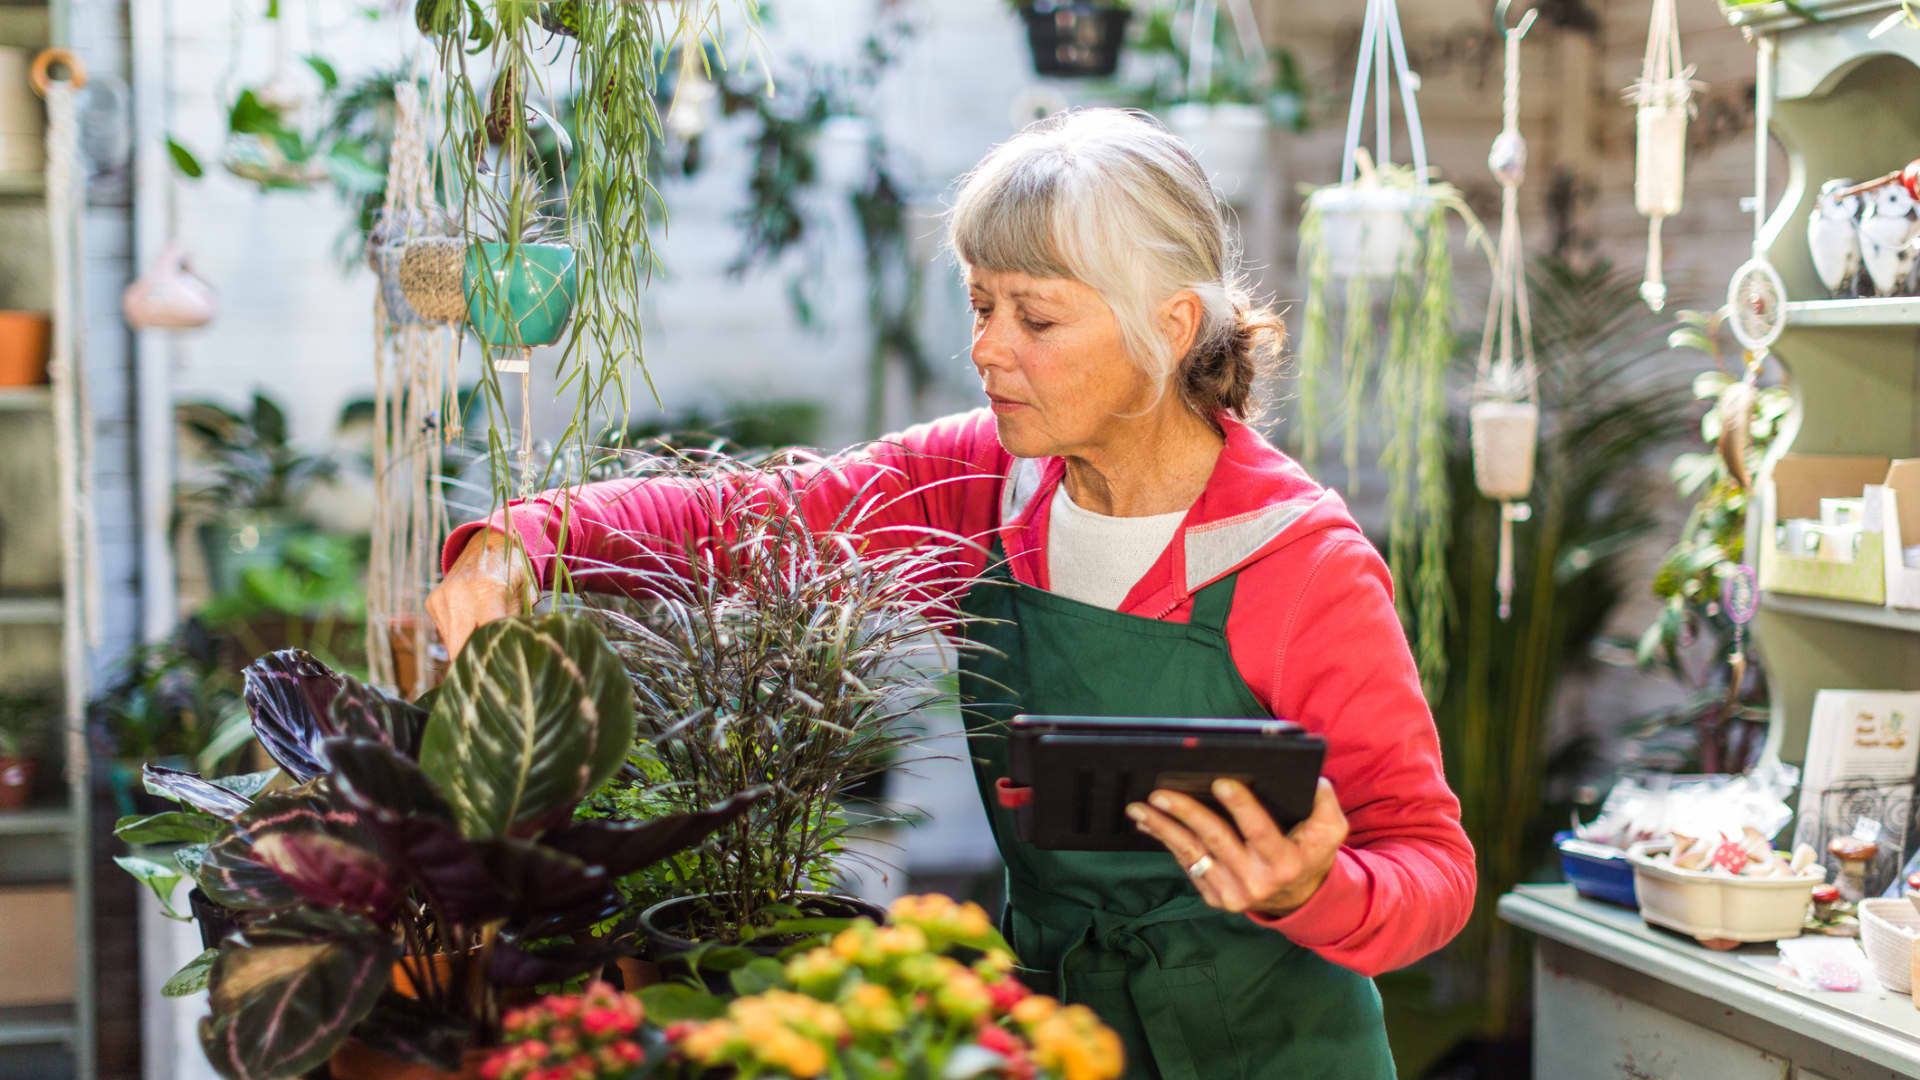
[1313, 630]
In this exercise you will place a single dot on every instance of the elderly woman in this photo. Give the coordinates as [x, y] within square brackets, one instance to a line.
[1165, 561]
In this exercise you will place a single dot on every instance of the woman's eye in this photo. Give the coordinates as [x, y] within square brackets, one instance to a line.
[1036, 325]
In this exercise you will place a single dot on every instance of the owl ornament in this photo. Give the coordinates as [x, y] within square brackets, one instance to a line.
[1833, 238]
[1889, 224]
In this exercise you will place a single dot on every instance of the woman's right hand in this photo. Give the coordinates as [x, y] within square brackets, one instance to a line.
[485, 583]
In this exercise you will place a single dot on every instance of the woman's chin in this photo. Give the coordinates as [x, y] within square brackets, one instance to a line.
[1017, 438]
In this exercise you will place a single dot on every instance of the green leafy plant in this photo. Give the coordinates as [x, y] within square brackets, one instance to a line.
[173, 699]
[1716, 728]
[1601, 415]
[439, 839]
[24, 717]
[1401, 388]
[255, 467]
[1279, 87]
[769, 651]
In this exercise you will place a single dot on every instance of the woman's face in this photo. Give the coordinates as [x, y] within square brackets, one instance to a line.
[1050, 358]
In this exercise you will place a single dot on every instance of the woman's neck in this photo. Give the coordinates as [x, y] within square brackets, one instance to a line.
[1153, 464]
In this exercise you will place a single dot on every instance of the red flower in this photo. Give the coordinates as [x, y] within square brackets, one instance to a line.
[563, 1008]
[605, 1021]
[999, 1040]
[1006, 994]
[679, 1028]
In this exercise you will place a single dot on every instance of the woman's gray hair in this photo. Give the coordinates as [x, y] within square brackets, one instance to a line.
[1109, 198]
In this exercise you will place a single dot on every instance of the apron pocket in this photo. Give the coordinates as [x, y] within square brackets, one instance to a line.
[1172, 1021]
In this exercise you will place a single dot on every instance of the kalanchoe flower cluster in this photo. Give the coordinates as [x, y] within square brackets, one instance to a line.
[592, 1035]
[887, 1001]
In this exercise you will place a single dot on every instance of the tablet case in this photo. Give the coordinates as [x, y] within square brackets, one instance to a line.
[1069, 778]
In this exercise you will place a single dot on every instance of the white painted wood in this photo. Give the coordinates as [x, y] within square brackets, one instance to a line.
[151, 394]
[1587, 1032]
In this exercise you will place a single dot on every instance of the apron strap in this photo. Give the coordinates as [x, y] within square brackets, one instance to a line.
[1212, 604]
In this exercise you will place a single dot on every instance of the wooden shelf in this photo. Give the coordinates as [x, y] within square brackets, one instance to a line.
[25, 398]
[30, 185]
[32, 610]
[1842, 611]
[36, 821]
[1876, 311]
[36, 1024]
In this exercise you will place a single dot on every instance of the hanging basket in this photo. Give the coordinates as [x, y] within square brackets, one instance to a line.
[1660, 153]
[1368, 230]
[1075, 38]
[431, 276]
[538, 288]
[1231, 140]
[1504, 436]
[169, 296]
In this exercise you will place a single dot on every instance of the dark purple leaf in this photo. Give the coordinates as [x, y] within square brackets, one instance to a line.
[317, 844]
[582, 916]
[184, 787]
[366, 712]
[286, 990]
[290, 695]
[414, 829]
[232, 877]
[414, 1031]
[539, 880]
[621, 848]
[514, 964]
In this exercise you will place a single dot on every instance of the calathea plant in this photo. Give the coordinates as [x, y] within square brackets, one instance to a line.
[425, 859]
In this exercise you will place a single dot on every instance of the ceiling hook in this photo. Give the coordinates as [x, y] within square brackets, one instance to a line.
[1500, 8]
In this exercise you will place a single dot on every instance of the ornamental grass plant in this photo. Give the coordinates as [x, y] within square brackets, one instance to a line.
[767, 650]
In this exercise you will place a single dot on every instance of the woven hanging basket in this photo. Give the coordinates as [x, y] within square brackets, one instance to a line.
[1504, 434]
[432, 278]
[1660, 153]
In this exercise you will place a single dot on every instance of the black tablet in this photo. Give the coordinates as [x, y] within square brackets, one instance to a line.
[1070, 778]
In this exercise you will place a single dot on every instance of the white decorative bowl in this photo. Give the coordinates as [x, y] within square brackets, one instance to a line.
[1712, 906]
[1887, 930]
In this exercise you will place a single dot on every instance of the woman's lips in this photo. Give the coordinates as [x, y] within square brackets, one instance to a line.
[1003, 406]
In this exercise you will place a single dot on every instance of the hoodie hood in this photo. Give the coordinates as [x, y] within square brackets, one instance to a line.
[1257, 502]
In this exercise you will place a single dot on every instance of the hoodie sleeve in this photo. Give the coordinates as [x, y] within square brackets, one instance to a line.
[1403, 884]
[938, 477]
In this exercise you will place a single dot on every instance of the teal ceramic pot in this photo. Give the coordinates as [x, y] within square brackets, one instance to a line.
[538, 285]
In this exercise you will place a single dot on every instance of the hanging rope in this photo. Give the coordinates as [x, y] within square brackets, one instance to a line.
[1505, 416]
[1380, 39]
[412, 401]
[72, 414]
[1664, 99]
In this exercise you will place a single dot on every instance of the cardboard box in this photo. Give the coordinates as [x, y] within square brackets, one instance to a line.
[36, 937]
[1900, 513]
[1792, 489]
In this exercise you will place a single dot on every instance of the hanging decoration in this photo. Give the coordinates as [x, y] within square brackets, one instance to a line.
[1505, 414]
[1756, 298]
[1386, 225]
[415, 411]
[1663, 101]
[1231, 139]
[169, 296]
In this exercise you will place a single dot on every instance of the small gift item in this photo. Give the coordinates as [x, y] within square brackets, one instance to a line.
[1505, 420]
[1663, 100]
[1824, 897]
[1854, 854]
[169, 296]
[1833, 238]
[1889, 226]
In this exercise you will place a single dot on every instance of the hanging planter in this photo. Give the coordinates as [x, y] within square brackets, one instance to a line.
[1230, 139]
[169, 296]
[1383, 228]
[520, 295]
[1075, 38]
[1663, 100]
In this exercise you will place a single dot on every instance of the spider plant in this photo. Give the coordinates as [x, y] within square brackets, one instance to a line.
[765, 650]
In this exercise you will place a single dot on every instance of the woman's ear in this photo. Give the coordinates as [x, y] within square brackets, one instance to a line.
[1180, 319]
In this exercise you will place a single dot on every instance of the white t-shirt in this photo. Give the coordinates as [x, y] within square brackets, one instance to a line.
[1097, 559]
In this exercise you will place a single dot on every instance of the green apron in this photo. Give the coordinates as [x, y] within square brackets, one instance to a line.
[1194, 993]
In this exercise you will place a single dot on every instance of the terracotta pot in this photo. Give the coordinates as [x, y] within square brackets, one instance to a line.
[441, 964]
[24, 337]
[406, 664]
[636, 974]
[356, 1060]
[16, 782]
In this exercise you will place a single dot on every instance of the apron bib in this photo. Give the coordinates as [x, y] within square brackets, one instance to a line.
[1194, 993]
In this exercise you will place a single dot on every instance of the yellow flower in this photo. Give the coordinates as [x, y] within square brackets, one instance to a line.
[871, 1008]
[707, 1042]
[1030, 1011]
[817, 971]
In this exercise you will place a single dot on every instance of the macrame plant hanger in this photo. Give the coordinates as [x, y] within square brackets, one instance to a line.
[1505, 415]
[1379, 38]
[1206, 16]
[413, 414]
[1663, 100]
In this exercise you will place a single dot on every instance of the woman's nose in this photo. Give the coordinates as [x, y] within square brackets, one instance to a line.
[990, 348]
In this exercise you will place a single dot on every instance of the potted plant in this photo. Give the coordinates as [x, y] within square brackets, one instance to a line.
[1075, 38]
[424, 864]
[1225, 104]
[169, 703]
[251, 505]
[762, 654]
[23, 721]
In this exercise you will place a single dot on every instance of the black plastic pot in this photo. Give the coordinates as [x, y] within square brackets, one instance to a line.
[1075, 38]
[215, 922]
[664, 943]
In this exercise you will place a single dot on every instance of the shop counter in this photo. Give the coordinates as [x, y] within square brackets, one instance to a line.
[1616, 998]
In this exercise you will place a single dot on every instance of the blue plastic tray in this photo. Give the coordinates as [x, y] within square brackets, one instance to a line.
[1599, 879]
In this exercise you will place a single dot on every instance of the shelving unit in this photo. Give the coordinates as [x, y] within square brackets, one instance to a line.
[50, 842]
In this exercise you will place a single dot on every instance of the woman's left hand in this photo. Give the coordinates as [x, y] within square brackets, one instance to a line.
[1255, 867]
